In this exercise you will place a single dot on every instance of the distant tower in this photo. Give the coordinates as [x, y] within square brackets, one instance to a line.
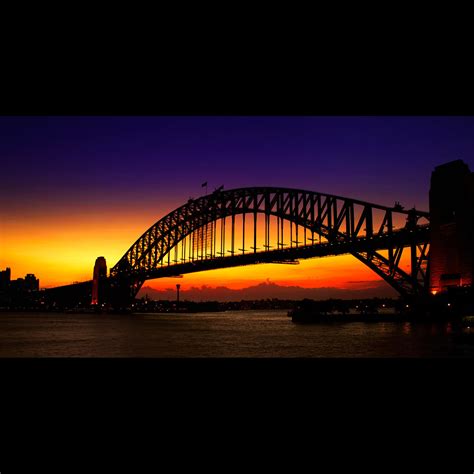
[452, 226]
[100, 273]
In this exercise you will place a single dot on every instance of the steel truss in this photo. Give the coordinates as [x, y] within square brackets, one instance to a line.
[352, 226]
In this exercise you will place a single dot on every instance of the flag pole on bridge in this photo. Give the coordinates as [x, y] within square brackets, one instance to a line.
[204, 185]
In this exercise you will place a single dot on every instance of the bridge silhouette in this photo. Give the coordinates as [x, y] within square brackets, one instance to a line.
[248, 226]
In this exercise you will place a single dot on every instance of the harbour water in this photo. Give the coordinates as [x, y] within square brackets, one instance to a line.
[241, 334]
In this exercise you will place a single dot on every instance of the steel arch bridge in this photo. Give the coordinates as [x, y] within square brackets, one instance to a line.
[278, 225]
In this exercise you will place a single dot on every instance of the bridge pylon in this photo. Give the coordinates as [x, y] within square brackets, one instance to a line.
[452, 227]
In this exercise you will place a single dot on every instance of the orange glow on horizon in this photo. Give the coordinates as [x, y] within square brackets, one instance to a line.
[342, 271]
[61, 247]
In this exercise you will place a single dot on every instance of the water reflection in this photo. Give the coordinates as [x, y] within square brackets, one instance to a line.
[230, 334]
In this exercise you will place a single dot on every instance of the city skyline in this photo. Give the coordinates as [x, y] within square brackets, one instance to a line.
[83, 187]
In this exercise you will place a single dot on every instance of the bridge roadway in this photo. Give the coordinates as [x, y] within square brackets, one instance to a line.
[401, 238]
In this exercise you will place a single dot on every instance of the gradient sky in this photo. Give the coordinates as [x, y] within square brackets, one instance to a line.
[74, 188]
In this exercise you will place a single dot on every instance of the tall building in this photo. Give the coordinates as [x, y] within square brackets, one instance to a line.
[31, 282]
[100, 273]
[452, 226]
[5, 278]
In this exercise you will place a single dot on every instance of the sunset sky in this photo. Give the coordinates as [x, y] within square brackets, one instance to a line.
[75, 188]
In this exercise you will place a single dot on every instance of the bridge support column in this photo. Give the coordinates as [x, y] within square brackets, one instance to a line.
[452, 227]
[121, 292]
[98, 282]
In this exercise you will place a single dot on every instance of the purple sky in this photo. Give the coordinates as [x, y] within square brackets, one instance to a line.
[112, 161]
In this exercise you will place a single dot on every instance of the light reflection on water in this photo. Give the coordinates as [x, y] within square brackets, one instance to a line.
[406, 327]
[226, 334]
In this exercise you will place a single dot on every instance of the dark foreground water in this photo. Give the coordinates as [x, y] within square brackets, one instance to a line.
[227, 334]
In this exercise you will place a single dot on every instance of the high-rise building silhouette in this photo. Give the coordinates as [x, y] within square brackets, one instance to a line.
[452, 226]
[5, 278]
[31, 282]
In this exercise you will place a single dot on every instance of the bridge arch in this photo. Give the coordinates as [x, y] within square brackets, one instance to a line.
[343, 225]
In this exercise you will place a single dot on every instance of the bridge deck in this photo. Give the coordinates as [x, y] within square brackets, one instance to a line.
[291, 254]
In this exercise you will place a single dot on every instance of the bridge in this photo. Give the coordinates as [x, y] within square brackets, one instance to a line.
[248, 226]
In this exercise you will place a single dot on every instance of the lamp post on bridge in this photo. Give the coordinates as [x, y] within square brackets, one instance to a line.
[178, 286]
